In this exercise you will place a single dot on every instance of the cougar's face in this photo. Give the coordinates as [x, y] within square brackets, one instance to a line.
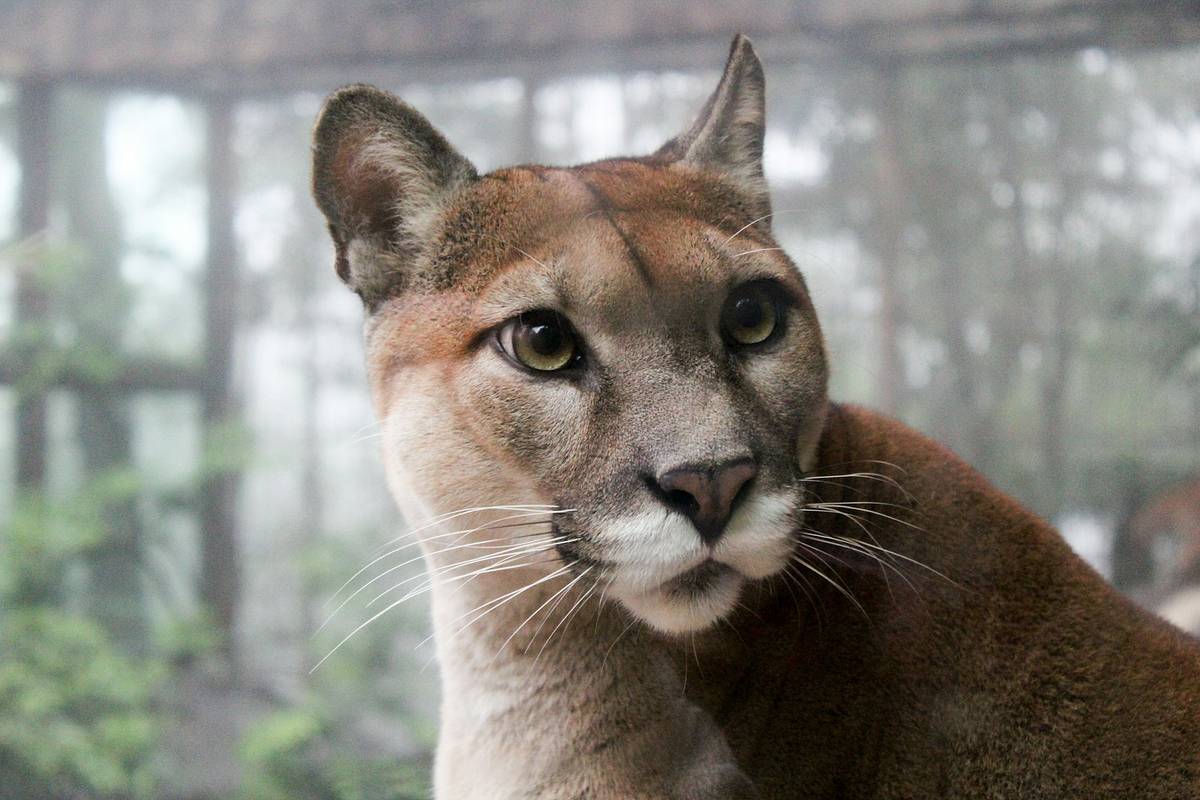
[623, 341]
[602, 346]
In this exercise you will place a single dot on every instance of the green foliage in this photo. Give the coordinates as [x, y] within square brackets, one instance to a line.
[187, 639]
[44, 537]
[292, 755]
[313, 751]
[228, 448]
[372, 670]
[1039, 325]
[75, 715]
[61, 345]
[50, 267]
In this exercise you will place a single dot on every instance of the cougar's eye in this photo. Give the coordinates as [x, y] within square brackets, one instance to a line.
[750, 315]
[540, 340]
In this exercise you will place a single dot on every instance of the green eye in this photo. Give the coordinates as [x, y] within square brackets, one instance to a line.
[750, 315]
[540, 340]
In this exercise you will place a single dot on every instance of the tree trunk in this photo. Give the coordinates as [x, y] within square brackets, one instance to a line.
[98, 305]
[1195, 378]
[1013, 320]
[220, 569]
[889, 161]
[35, 112]
[1056, 375]
[1059, 343]
[527, 148]
[311, 499]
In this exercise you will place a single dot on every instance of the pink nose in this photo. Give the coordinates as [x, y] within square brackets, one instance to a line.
[706, 494]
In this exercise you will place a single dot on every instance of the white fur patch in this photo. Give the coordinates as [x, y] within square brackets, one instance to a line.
[651, 548]
[675, 615]
[758, 539]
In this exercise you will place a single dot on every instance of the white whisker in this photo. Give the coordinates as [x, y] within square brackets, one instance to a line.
[559, 593]
[754, 222]
[870, 476]
[501, 558]
[570, 611]
[491, 569]
[396, 603]
[492, 605]
[531, 510]
[756, 250]
[549, 614]
[859, 507]
[625, 630]
[862, 526]
[849, 544]
[403, 564]
[531, 258]
[841, 589]
[437, 520]
[881, 549]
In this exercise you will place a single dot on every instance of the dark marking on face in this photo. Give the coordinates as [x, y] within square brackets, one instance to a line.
[604, 206]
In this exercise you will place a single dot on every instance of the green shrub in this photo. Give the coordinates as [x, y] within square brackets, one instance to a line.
[74, 713]
[291, 755]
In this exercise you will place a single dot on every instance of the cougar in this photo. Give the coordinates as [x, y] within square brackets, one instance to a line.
[663, 564]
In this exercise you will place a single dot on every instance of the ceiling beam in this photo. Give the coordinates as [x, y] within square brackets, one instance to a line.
[273, 45]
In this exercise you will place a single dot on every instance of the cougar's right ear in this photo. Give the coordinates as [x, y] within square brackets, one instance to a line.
[382, 175]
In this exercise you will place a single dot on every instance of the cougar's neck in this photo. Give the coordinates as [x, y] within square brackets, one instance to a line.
[532, 683]
[491, 626]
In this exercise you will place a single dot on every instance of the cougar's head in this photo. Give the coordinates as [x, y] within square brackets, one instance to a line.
[624, 339]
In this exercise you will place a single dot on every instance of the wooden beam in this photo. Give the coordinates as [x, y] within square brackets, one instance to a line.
[229, 45]
[35, 112]
[133, 376]
[220, 568]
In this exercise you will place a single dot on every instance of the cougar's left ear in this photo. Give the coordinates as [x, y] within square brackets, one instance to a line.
[727, 137]
[382, 175]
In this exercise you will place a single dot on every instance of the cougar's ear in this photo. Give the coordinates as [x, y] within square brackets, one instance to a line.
[382, 175]
[727, 137]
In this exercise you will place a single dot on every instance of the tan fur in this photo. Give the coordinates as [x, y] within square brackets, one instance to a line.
[1026, 677]
[905, 633]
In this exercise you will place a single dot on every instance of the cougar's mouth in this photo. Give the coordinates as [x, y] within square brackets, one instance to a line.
[697, 580]
[656, 565]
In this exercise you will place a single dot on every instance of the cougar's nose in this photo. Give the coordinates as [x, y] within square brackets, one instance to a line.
[705, 493]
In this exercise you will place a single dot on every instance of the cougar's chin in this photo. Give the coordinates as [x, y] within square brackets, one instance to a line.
[692, 601]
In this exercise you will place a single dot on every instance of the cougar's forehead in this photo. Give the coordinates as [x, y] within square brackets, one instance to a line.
[628, 244]
[653, 213]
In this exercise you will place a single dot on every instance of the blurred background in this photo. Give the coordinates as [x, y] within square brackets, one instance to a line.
[996, 204]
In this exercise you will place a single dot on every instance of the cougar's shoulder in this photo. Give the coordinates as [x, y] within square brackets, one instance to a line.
[1017, 671]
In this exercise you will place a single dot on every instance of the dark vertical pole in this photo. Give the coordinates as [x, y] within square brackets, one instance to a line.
[311, 496]
[220, 583]
[98, 301]
[888, 171]
[1060, 288]
[629, 114]
[35, 109]
[1196, 376]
